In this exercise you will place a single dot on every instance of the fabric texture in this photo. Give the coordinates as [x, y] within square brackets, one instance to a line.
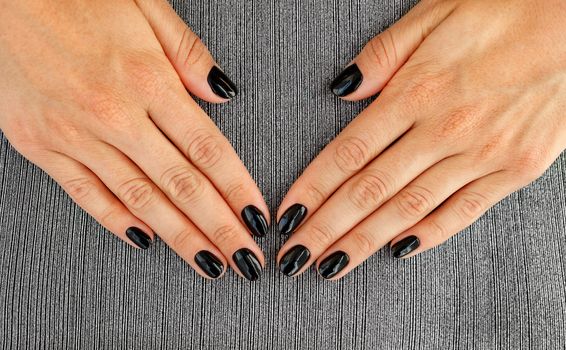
[69, 284]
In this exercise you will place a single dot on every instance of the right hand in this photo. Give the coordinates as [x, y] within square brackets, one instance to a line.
[95, 93]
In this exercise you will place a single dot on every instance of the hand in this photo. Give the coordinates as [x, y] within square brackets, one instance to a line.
[94, 93]
[472, 108]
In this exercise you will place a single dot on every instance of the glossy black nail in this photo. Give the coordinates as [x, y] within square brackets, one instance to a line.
[292, 218]
[209, 263]
[220, 84]
[140, 238]
[333, 264]
[405, 246]
[348, 81]
[255, 220]
[248, 264]
[294, 260]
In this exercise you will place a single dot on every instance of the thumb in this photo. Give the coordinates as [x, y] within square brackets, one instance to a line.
[187, 53]
[380, 59]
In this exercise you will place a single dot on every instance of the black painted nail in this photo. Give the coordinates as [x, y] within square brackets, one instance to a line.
[220, 84]
[210, 264]
[140, 238]
[348, 81]
[405, 246]
[255, 220]
[333, 264]
[248, 264]
[294, 259]
[292, 218]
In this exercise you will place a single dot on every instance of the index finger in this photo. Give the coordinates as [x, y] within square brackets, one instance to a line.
[361, 141]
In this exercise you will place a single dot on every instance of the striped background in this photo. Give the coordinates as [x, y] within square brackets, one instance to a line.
[66, 283]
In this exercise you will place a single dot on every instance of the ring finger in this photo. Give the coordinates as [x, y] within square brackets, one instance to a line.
[404, 210]
[147, 202]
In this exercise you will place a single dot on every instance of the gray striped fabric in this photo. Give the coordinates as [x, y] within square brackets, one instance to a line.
[66, 283]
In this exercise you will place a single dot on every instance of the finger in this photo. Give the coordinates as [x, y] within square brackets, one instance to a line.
[402, 211]
[190, 191]
[461, 210]
[144, 200]
[192, 131]
[86, 189]
[382, 56]
[360, 142]
[190, 57]
[364, 193]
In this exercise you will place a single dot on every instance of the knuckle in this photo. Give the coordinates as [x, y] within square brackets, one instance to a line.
[108, 111]
[182, 184]
[145, 75]
[107, 219]
[414, 202]
[530, 165]
[423, 88]
[365, 245]
[180, 240]
[437, 231]
[351, 154]
[315, 192]
[471, 206]
[191, 49]
[235, 193]
[323, 235]
[204, 149]
[383, 50]
[370, 190]
[136, 193]
[458, 123]
[225, 235]
[79, 188]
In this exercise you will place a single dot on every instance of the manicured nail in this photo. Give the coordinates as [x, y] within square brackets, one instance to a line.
[294, 259]
[255, 220]
[210, 264]
[292, 218]
[405, 246]
[140, 238]
[348, 81]
[333, 264]
[248, 264]
[220, 84]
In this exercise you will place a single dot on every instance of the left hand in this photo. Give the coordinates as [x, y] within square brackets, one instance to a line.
[472, 108]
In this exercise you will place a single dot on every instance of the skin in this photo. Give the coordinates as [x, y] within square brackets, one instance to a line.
[95, 93]
[471, 108]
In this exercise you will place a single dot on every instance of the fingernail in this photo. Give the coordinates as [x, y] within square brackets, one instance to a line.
[294, 259]
[333, 264]
[220, 84]
[248, 264]
[348, 81]
[292, 218]
[209, 263]
[140, 238]
[405, 246]
[255, 220]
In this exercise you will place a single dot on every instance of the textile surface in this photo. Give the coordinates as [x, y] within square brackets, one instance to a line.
[66, 283]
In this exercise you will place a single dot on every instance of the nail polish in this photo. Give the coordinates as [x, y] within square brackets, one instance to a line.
[255, 220]
[140, 238]
[333, 264]
[292, 218]
[348, 81]
[220, 84]
[209, 263]
[294, 260]
[405, 246]
[248, 264]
